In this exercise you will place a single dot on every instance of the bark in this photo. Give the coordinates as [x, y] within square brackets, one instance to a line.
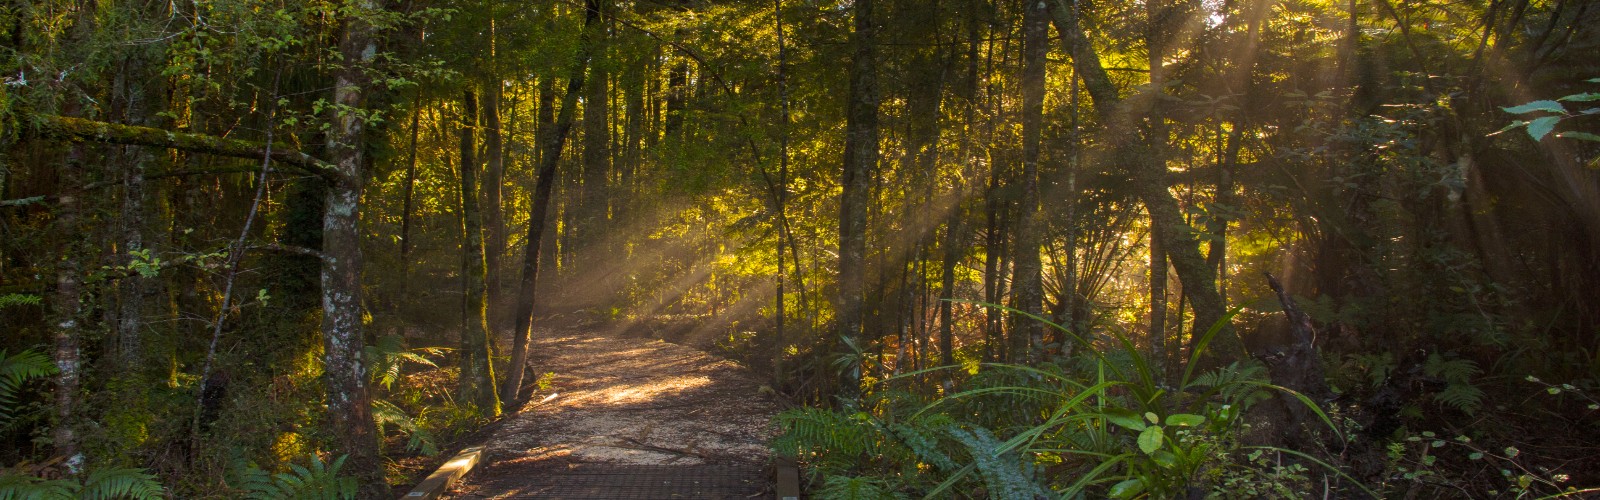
[1154, 44]
[67, 310]
[133, 289]
[592, 195]
[409, 203]
[349, 402]
[1298, 367]
[476, 382]
[493, 206]
[633, 138]
[860, 158]
[677, 90]
[1027, 278]
[551, 142]
[780, 199]
[545, 118]
[1158, 300]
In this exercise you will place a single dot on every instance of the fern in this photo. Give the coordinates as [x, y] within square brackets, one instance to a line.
[921, 437]
[1004, 473]
[15, 486]
[318, 481]
[120, 483]
[1238, 383]
[390, 355]
[418, 440]
[856, 488]
[103, 484]
[19, 299]
[17, 370]
[819, 431]
[1459, 391]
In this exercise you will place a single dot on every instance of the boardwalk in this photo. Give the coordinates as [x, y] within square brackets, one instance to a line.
[629, 418]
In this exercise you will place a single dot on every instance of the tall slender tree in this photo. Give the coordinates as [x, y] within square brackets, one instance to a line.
[860, 159]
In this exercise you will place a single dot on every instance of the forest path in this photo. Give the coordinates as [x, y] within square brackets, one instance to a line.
[629, 418]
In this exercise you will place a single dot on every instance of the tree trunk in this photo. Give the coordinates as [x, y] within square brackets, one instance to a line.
[551, 143]
[409, 204]
[1027, 278]
[677, 93]
[349, 403]
[1149, 175]
[493, 208]
[592, 194]
[476, 382]
[67, 309]
[1158, 301]
[860, 158]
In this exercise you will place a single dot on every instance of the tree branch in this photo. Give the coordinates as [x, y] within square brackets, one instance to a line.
[79, 129]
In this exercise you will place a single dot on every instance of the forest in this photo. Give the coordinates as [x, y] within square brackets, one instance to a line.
[986, 248]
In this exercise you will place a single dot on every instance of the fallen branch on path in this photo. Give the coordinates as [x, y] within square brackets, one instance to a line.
[636, 445]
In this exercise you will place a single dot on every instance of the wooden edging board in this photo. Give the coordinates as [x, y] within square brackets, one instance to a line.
[788, 479]
[452, 470]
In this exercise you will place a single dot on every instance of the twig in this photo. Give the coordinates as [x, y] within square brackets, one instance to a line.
[235, 255]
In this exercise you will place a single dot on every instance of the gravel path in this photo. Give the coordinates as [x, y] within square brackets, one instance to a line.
[631, 418]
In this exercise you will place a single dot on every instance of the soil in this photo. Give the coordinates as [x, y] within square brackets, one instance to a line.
[626, 416]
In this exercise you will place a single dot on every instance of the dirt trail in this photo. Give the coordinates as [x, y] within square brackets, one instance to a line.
[631, 418]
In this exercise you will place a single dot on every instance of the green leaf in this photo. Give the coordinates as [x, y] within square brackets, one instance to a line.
[1125, 419]
[1127, 489]
[1150, 440]
[1584, 97]
[1539, 127]
[1185, 420]
[1152, 417]
[1165, 459]
[1544, 105]
[1585, 136]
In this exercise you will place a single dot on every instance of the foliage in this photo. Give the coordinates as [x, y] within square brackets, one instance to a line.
[101, 484]
[1105, 429]
[15, 370]
[389, 356]
[1557, 112]
[314, 481]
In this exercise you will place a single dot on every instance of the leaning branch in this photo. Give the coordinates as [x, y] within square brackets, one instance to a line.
[79, 129]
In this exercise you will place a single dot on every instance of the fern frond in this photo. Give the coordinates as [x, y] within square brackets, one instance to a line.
[16, 370]
[19, 299]
[112, 484]
[25, 487]
[856, 488]
[1004, 474]
[1463, 396]
[1451, 370]
[317, 480]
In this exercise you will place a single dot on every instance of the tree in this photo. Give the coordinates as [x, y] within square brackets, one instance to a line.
[349, 402]
[550, 144]
[477, 379]
[860, 158]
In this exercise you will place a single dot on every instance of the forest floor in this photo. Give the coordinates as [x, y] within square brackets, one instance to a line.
[625, 416]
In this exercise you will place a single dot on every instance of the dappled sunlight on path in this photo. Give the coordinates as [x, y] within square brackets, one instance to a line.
[625, 409]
